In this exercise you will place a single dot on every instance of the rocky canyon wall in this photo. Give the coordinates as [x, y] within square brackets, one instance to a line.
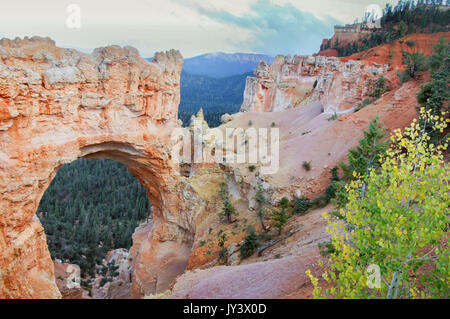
[57, 105]
[299, 80]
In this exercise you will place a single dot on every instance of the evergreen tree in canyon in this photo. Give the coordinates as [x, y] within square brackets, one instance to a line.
[362, 159]
[434, 95]
[92, 206]
[228, 210]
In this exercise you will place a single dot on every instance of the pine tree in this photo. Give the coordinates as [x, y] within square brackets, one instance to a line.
[261, 200]
[434, 95]
[221, 243]
[280, 217]
[441, 50]
[228, 209]
[415, 62]
[402, 28]
[361, 159]
[380, 88]
[365, 156]
[250, 244]
[301, 206]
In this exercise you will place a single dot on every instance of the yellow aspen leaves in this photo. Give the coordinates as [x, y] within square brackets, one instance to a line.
[405, 207]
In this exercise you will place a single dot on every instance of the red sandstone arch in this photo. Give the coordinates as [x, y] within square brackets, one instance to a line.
[57, 105]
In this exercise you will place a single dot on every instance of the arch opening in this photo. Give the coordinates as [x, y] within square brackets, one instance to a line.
[89, 214]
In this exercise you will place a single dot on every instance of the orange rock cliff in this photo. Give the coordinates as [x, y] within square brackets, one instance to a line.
[293, 81]
[57, 105]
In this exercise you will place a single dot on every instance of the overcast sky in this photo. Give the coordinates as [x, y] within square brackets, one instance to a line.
[192, 26]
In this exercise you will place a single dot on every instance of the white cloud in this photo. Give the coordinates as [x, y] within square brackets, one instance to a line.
[152, 25]
[345, 11]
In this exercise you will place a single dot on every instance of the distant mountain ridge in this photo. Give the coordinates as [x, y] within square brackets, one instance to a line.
[220, 65]
[216, 96]
[216, 83]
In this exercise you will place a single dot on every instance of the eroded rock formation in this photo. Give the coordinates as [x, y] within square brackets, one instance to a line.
[115, 283]
[57, 105]
[68, 280]
[306, 134]
[299, 80]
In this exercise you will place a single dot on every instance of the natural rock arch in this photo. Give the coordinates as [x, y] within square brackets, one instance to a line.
[57, 105]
